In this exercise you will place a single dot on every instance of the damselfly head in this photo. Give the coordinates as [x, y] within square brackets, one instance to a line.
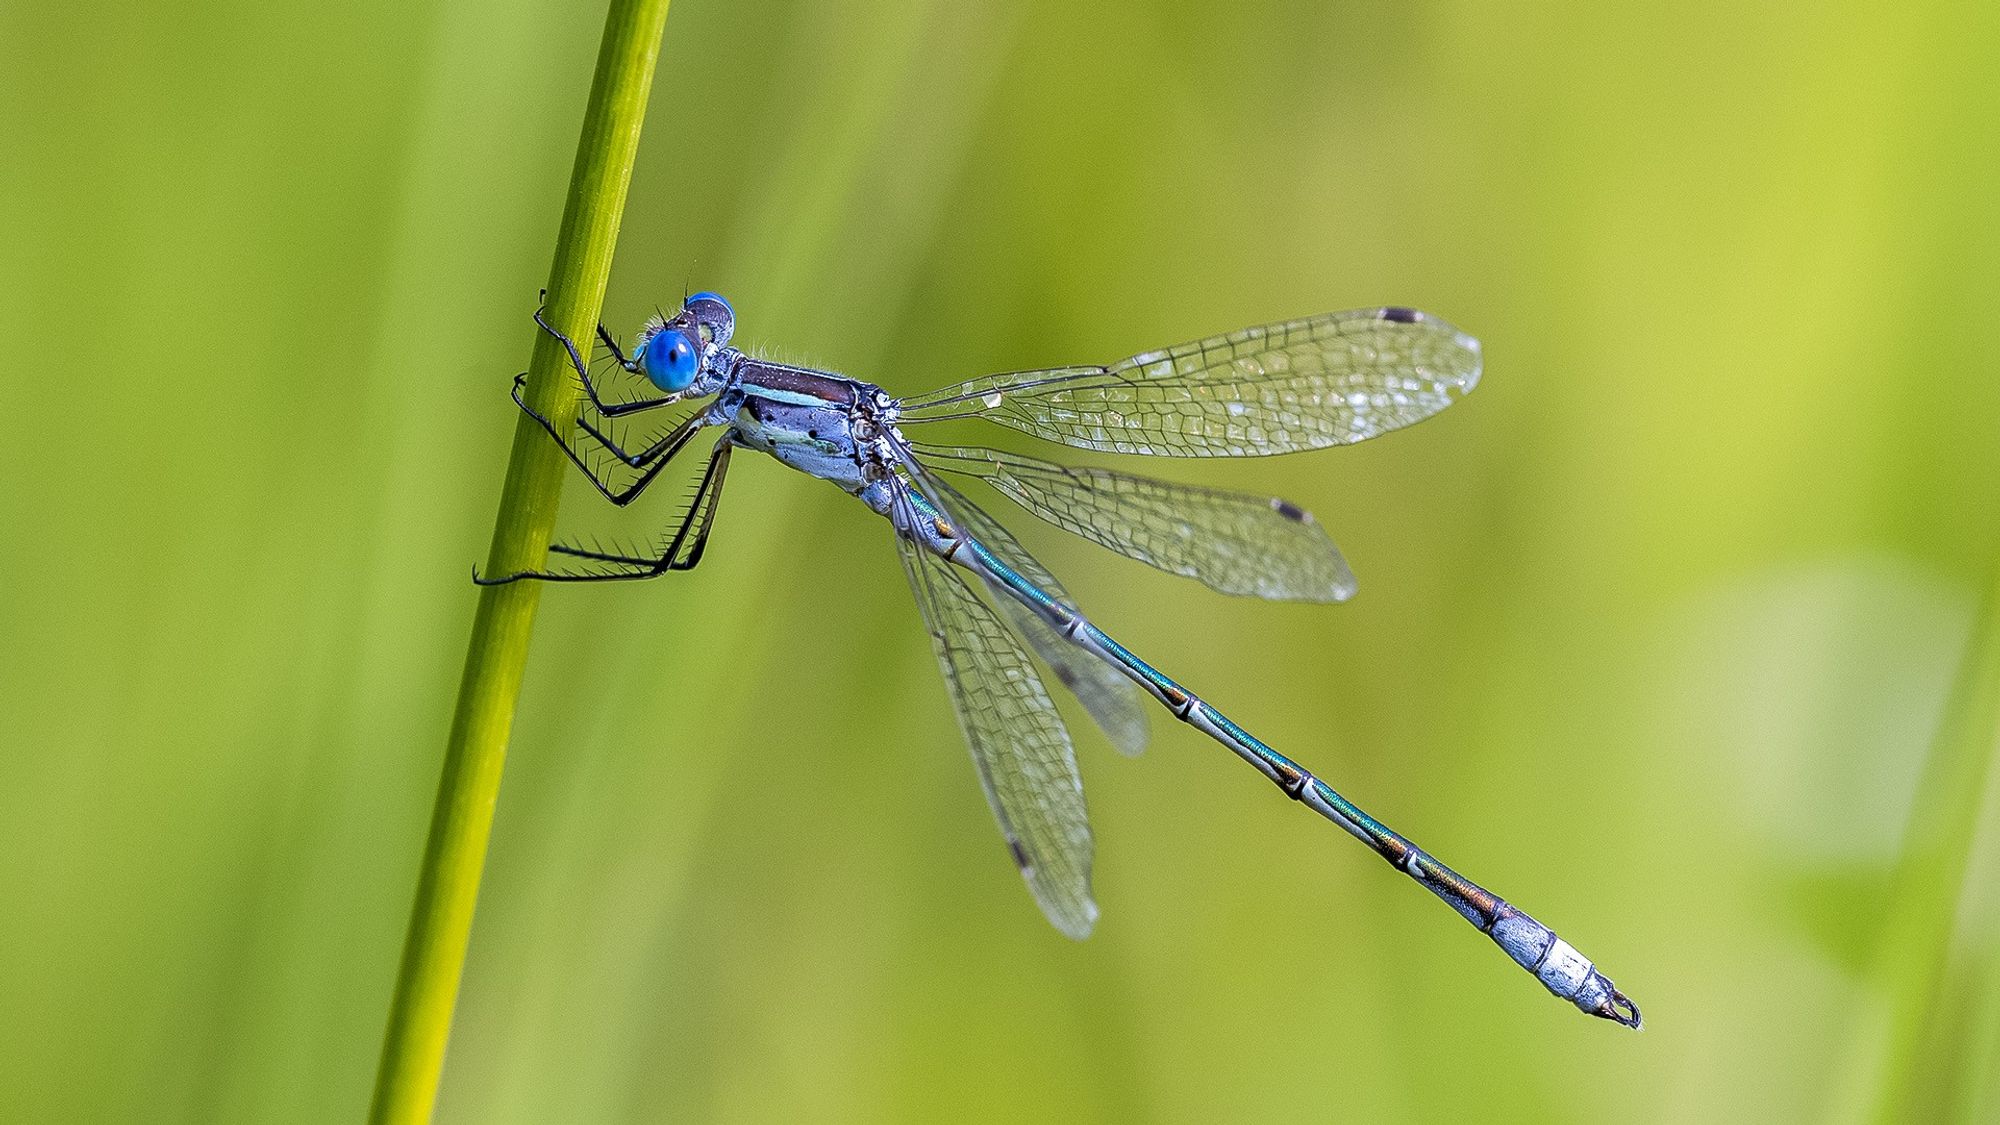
[712, 316]
[677, 351]
[674, 353]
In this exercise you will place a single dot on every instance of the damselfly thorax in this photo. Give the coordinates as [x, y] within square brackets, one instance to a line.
[823, 425]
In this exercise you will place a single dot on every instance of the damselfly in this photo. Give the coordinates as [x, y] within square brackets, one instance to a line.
[1304, 384]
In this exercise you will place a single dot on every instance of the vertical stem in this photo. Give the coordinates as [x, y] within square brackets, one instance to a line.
[413, 1050]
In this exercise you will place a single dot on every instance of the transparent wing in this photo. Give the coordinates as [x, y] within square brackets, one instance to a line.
[1234, 542]
[1305, 384]
[1019, 745]
[1113, 702]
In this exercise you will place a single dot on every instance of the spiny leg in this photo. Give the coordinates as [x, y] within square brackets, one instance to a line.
[693, 530]
[637, 460]
[708, 498]
[652, 459]
[608, 409]
[691, 534]
[611, 342]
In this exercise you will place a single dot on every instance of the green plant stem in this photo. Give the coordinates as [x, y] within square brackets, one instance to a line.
[413, 1049]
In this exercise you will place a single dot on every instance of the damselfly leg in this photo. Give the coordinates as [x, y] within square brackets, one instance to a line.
[680, 549]
[649, 460]
[608, 409]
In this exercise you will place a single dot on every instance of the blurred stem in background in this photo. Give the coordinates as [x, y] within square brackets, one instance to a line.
[1908, 1070]
[1977, 1093]
[448, 887]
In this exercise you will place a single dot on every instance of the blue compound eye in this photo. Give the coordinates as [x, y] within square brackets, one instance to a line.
[670, 361]
[705, 295]
[713, 314]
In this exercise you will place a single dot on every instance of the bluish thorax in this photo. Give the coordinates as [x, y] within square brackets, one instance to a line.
[673, 354]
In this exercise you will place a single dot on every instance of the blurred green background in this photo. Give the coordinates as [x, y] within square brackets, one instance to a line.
[1656, 629]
